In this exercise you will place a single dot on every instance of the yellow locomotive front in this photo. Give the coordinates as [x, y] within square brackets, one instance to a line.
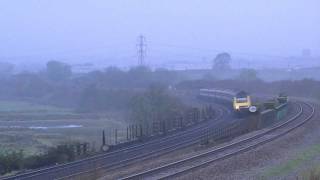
[242, 103]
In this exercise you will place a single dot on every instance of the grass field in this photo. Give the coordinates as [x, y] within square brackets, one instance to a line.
[33, 128]
[24, 107]
[305, 166]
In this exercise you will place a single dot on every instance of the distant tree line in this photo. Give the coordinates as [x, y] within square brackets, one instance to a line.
[303, 88]
[113, 88]
[95, 91]
[6, 68]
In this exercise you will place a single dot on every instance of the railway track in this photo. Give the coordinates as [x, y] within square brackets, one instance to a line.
[130, 154]
[174, 169]
[126, 156]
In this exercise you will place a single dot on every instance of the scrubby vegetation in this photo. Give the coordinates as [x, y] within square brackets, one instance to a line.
[100, 91]
[56, 94]
[155, 106]
[17, 160]
[144, 97]
[94, 91]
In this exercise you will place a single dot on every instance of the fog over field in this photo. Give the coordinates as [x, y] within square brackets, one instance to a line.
[179, 34]
[89, 87]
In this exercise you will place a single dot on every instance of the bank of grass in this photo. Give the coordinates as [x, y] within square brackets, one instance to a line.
[311, 174]
[22, 110]
[26, 111]
[7, 106]
[16, 118]
[39, 140]
[301, 158]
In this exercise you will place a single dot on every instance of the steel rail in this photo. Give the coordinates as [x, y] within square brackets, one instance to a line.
[149, 155]
[224, 148]
[52, 169]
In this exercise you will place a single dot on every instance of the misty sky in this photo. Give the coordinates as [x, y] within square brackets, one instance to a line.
[60, 28]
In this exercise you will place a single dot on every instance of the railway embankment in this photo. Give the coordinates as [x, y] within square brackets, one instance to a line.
[193, 151]
[293, 156]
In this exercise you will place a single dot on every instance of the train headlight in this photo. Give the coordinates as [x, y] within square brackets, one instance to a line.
[253, 109]
[105, 148]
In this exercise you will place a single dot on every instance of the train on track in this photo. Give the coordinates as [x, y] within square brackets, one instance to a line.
[241, 101]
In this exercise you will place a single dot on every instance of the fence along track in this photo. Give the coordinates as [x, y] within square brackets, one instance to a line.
[232, 130]
[256, 140]
[70, 166]
[151, 154]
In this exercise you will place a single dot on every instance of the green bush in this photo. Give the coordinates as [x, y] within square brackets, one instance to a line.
[10, 161]
[16, 160]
